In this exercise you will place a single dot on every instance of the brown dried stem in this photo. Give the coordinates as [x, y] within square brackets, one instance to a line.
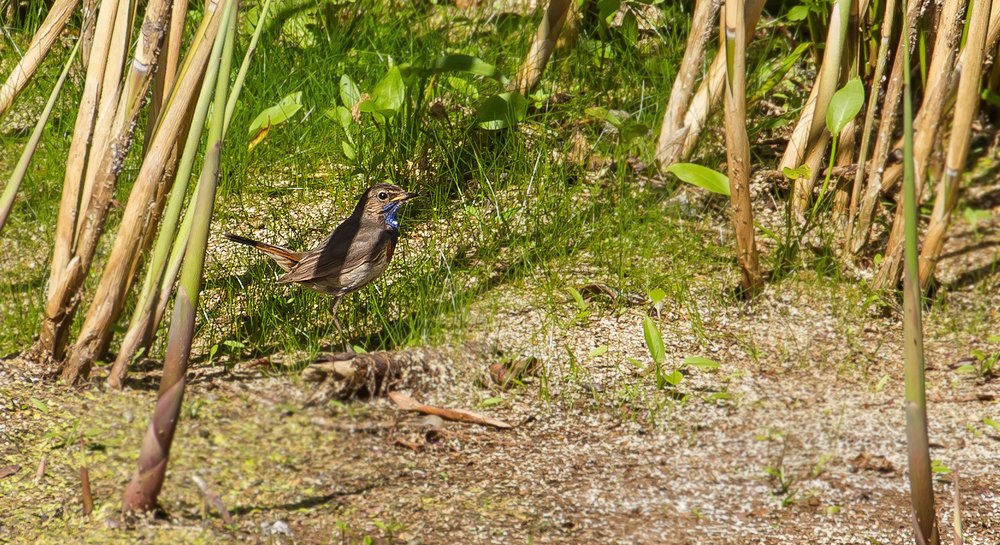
[672, 132]
[41, 43]
[732, 35]
[880, 64]
[827, 82]
[711, 88]
[530, 73]
[970, 68]
[928, 123]
[143, 208]
[883, 142]
[70, 264]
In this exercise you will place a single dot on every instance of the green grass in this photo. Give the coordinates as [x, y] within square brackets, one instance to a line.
[512, 211]
[501, 208]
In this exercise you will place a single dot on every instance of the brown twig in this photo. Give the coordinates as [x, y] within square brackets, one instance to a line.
[212, 498]
[88, 500]
[407, 403]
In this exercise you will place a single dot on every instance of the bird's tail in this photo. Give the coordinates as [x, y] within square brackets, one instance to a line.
[285, 258]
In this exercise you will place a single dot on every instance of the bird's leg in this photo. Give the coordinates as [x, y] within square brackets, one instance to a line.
[333, 310]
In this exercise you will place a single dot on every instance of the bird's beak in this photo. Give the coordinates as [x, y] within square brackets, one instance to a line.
[404, 197]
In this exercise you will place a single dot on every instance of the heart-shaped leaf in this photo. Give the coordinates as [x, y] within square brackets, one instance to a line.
[653, 340]
[672, 379]
[703, 177]
[389, 93]
[798, 13]
[349, 92]
[657, 295]
[845, 105]
[277, 114]
[703, 363]
[501, 111]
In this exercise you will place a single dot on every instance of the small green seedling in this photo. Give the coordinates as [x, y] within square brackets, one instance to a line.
[657, 296]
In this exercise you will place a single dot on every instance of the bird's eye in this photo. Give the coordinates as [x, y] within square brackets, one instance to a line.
[382, 196]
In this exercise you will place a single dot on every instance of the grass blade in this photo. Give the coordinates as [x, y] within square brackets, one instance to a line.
[10, 191]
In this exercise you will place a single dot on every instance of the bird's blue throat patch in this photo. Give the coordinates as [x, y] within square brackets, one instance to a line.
[390, 210]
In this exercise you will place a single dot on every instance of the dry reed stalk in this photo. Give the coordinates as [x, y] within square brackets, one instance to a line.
[141, 211]
[927, 124]
[69, 264]
[732, 35]
[672, 131]
[711, 88]
[530, 73]
[970, 68]
[40, 46]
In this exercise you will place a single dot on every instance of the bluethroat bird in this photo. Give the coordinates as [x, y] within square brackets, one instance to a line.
[354, 254]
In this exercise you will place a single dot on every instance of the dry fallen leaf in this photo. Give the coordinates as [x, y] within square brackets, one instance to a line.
[259, 137]
[9, 470]
[407, 403]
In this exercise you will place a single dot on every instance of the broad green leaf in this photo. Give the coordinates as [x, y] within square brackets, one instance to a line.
[703, 177]
[653, 340]
[349, 92]
[881, 383]
[342, 116]
[630, 28]
[491, 401]
[635, 362]
[277, 114]
[605, 115]
[598, 351]
[798, 13]
[297, 29]
[674, 378]
[608, 8]
[993, 339]
[703, 363]
[501, 111]
[657, 295]
[464, 63]
[796, 173]
[845, 105]
[630, 130]
[463, 87]
[577, 297]
[389, 93]
[967, 369]
[991, 423]
[40, 406]
[348, 150]
[973, 217]
[938, 467]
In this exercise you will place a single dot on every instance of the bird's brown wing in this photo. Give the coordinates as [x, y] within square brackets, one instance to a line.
[348, 247]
